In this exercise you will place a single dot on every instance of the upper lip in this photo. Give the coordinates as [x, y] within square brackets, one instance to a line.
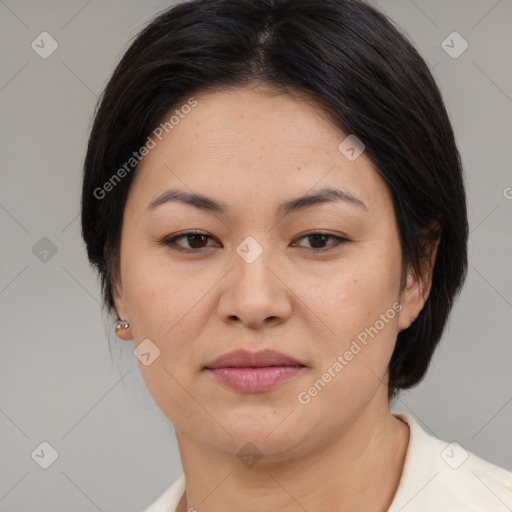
[245, 358]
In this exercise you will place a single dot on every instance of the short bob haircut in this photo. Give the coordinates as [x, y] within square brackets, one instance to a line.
[360, 70]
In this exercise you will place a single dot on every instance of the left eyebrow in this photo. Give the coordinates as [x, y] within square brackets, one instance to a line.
[326, 195]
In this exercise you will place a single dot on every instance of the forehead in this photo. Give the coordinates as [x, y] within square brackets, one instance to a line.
[243, 141]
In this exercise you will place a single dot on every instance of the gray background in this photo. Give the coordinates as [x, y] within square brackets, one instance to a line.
[64, 378]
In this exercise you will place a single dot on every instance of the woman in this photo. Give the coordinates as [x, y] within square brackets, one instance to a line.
[275, 203]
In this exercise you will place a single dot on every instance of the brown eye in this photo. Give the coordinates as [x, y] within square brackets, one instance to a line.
[195, 240]
[319, 240]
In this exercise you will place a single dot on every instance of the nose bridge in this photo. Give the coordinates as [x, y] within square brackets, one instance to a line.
[253, 261]
[255, 293]
[250, 249]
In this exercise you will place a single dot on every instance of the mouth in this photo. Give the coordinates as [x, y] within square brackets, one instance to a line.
[254, 372]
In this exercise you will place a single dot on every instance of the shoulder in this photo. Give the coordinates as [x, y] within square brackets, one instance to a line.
[168, 501]
[445, 477]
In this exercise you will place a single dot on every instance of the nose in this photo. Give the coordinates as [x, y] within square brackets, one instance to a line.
[256, 294]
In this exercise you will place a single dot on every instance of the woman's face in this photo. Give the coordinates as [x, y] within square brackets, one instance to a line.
[252, 279]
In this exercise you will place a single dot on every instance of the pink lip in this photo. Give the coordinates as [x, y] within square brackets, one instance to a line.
[254, 372]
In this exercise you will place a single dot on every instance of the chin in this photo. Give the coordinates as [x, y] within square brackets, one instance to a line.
[270, 434]
[252, 447]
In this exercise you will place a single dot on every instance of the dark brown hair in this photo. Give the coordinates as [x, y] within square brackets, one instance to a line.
[359, 68]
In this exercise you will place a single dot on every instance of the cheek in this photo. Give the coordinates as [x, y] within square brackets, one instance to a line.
[362, 313]
[163, 303]
[351, 295]
[156, 293]
[358, 304]
[166, 309]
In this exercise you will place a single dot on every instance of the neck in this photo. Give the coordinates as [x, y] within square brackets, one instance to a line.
[357, 469]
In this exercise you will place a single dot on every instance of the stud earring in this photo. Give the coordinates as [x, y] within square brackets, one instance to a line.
[121, 325]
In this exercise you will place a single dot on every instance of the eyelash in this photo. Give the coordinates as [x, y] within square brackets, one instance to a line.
[170, 241]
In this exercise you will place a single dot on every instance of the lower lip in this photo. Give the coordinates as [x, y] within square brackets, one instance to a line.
[255, 380]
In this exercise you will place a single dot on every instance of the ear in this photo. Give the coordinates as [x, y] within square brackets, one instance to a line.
[417, 289]
[124, 334]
